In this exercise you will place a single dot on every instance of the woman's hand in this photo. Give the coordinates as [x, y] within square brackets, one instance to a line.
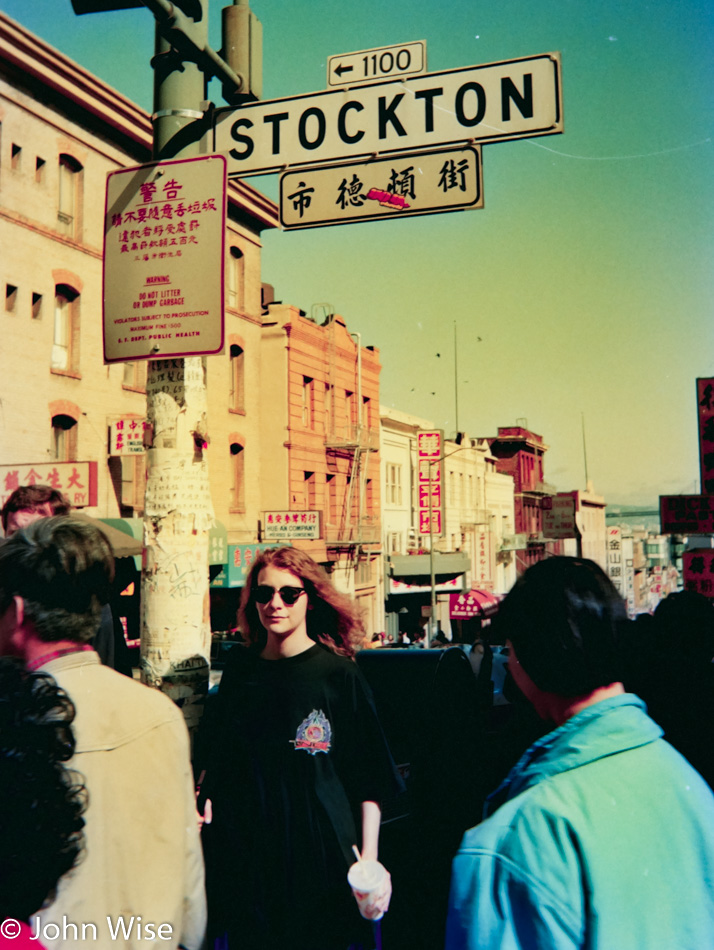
[379, 901]
[207, 817]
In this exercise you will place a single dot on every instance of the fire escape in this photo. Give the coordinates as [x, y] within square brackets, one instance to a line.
[353, 442]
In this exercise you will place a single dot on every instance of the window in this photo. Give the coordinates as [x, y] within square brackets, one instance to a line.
[39, 169]
[65, 344]
[366, 412]
[15, 157]
[10, 297]
[238, 487]
[237, 357]
[394, 542]
[307, 407]
[235, 279]
[310, 492]
[135, 375]
[394, 484]
[64, 439]
[69, 196]
[331, 484]
[133, 481]
[329, 412]
[349, 409]
[36, 306]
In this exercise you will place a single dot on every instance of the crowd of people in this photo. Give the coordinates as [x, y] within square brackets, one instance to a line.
[599, 833]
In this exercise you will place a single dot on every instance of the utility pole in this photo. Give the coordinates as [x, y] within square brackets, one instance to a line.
[175, 626]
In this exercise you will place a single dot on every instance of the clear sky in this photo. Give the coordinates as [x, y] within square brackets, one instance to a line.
[584, 289]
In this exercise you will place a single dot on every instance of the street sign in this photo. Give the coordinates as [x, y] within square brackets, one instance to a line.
[164, 234]
[698, 571]
[394, 187]
[519, 98]
[705, 419]
[686, 514]
[429, 466]
[370, 65]
[559, 519]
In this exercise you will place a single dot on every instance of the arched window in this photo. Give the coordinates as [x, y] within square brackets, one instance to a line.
[237, 356]
[238, 472]
[235, 279]
[63, 447]
[70, 196]
[65, 340]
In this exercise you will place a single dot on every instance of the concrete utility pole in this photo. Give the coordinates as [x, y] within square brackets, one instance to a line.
[175, 628]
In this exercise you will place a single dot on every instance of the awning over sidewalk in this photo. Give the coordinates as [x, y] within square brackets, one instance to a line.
[474, 603]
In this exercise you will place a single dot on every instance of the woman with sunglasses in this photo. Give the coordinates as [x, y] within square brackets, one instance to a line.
[299, 763]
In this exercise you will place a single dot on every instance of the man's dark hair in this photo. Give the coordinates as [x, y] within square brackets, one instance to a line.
[32, 498]
[684, 622]
[63, 569]
[42, 801]
[564, 618]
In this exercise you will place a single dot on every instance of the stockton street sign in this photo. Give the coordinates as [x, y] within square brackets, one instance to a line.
[398, 186]
[518, 98]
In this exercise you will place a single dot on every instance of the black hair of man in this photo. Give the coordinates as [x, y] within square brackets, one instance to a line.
[565, 620]
[63, 569]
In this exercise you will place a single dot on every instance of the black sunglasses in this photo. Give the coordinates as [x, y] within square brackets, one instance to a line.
[289, 595]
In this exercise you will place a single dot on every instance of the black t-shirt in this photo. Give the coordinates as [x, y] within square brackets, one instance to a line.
[299, 748]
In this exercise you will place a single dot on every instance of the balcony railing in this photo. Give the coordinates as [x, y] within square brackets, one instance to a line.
[353, 437]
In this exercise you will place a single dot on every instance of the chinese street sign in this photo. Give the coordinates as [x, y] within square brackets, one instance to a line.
[705, 407]
[429, 465]
[394, 187]
[76, 480]
[126, 436]
[281, 525]
[164, 233]
[494, 102]
[559, 519]
[686, 514]
[370, 65]
[614, 559]
[240, 558]
[698, 571]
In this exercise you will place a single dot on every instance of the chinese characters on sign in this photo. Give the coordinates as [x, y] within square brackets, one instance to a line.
[126, 437]
[240, 558]
[429, 468]
[559, 519]
[76, 480]
[705, 406]
[280, 525]
[398, 186]
[686, 514]
[164, 233]
[698, 570]
[614, 559]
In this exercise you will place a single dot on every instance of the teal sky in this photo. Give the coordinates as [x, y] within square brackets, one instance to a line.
[589, 274]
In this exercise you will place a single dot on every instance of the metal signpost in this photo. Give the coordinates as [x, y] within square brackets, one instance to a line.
[394, 187]
[519, 98]
[349, 69]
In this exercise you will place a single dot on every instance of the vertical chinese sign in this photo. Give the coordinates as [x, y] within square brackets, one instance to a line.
[705, 407]
[429, 481]
[164, 234]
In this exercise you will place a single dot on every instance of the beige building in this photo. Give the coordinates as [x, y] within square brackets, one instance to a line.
[61, 132]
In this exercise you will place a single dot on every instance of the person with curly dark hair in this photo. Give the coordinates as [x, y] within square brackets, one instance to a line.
[299, 764]
[43, 801]
[141, 877]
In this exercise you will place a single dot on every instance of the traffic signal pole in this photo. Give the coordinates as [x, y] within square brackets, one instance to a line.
[175, 625]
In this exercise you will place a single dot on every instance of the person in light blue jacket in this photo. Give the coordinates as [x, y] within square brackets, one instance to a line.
[602, 835]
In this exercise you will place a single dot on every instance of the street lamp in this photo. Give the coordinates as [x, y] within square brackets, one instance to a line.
[431, 626]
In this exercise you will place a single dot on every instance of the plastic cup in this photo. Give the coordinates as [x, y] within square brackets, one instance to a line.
[366, 878]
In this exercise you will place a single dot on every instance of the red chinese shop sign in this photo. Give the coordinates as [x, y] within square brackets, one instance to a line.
[76, 480]
[698, 571]
[164, 237]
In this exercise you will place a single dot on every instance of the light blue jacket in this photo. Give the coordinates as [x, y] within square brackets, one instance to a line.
[604, 839]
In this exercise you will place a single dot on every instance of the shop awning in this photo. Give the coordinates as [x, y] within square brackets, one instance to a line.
[411, 565]
[472, 603]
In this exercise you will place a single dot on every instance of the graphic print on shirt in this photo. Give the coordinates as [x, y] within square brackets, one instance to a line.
[314, 733]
